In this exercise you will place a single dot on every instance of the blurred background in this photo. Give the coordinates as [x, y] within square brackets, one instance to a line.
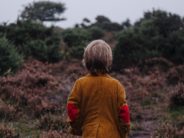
[41, 48]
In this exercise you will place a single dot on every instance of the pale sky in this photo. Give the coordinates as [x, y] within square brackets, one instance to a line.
[115, 10]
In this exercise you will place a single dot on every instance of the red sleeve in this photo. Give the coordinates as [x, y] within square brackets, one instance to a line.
[124, 114]
[73, 111]
[73, 101]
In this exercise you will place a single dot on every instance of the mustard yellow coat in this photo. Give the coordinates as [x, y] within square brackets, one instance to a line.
[98, 99]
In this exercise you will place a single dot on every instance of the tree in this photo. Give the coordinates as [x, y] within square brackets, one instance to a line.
[43, 11]
[102, 19]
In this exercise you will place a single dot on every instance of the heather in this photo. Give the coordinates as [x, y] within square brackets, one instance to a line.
[39, 64]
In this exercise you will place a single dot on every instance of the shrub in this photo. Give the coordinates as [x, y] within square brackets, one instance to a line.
[34, 39]
[157, 34]
[177, 97]
[96, 32]
[127, 52]
[75, 39]
[32, 88]
[168, 130]
[7, 112]
[37, 49]
[10, 60]
[23, 31]
[77, 52]
[54, 53]
[51, 122]
[52, 134]
[7, 132]
[175, 75]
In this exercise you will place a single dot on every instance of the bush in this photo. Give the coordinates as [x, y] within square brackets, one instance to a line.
[52, 134]
[7, 132]
[7, 112]
[168, 130]
[175, 75]
[51, 122]
[37, 49]
[10, 60]
[75, 39]
[127, 52]
[157, 34]
[25, 31]
[77, 52]
[177, 98]
[96, 32]
[34, 39]
[32, 88]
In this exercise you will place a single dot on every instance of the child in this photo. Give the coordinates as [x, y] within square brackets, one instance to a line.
[97, 105]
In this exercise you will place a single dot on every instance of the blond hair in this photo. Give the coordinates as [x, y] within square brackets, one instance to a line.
[98, 57]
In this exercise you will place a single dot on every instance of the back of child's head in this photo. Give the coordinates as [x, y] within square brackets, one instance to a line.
[98, 57]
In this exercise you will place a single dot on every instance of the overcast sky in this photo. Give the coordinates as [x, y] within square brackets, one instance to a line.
[116, 10]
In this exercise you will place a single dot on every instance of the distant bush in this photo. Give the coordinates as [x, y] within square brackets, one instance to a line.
[76, 39]
[127, 52]
[37, 49]
[10, 60]
[40, 50]
[96, 32]
[157, 34]
[23, 31]
[34, 39]
[77, 52]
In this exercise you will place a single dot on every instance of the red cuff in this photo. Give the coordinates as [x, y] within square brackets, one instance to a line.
[73, 111]
[124, 114]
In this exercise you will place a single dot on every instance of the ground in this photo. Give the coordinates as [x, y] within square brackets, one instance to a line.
[33, 101]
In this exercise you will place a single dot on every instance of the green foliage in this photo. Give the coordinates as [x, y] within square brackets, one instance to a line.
[10, 60]
[43, 11]
[127, 50]
[96, 32]
[37, 49]
[164, 33]
[77, 52]
[106, 24]
[40, 50]
[34, 39]
[157, 34]
[76, 39]
[23, 32]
